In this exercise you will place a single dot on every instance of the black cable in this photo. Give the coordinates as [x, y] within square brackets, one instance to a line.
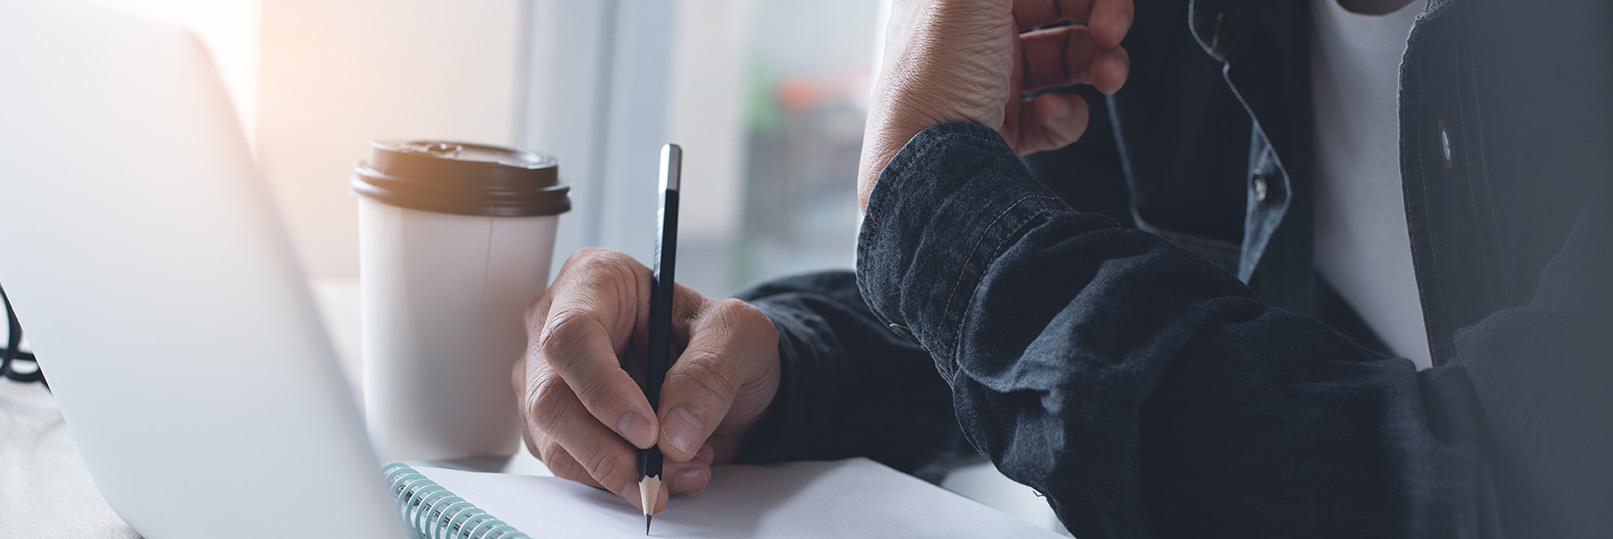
[13, 351]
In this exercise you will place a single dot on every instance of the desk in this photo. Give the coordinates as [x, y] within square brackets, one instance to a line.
[45, 490]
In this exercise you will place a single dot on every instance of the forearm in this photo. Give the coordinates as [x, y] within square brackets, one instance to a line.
[1143, 389]
[848, 385]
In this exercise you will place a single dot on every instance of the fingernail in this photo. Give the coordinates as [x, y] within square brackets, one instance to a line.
[637, 430]
[683, 430]
[686, 480]
[1058, 110]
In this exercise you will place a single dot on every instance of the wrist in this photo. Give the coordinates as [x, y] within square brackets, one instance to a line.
[880, 144]
[900, 111]
[927, 81]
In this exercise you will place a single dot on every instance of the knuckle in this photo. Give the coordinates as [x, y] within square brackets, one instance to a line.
[551, 453]
[563, 330]
[745, 321]
[566, 469]
[546, 402]
[602, 463]
[594, 261]
[587, 267]
[701, 372]
[562, 465]
[729, 308]
[585, 256]
[732, 312]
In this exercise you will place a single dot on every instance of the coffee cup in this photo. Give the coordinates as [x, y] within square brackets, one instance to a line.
[455, 241]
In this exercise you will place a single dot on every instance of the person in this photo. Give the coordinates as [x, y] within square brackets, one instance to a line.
[1252, 300]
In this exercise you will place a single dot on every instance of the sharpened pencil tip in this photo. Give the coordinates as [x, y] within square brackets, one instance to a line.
[646, 524]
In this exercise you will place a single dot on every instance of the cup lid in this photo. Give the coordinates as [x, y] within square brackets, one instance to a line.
[461, 178]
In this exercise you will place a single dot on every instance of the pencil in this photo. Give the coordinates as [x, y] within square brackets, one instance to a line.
[661, 283]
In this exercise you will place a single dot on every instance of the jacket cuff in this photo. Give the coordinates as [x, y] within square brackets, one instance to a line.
[795, 426]
[941, 213]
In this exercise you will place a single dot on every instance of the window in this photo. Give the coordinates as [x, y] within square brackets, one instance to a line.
[766, 97]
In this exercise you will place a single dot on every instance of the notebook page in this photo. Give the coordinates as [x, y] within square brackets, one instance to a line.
[849, 498]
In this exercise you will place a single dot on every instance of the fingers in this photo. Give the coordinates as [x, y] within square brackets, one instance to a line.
[579, 327]
[609, 284]
[1055, 57]
[564, 466]
[691, 476]
[1111, 20]
[582, 412]
[560, 428]
[679, 477]
[1108, 19]
[1050, 122]
[1070, 55]
[1109, 70]
[1030, 14]
[700, 387]
[578, 347]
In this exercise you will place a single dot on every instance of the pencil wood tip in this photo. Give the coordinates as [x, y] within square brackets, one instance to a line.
[649, 492]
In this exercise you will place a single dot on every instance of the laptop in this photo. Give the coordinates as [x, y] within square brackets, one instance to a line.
[143, 254]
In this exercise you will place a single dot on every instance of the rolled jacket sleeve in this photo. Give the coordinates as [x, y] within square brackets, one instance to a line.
[848, 386]
[1142, 389]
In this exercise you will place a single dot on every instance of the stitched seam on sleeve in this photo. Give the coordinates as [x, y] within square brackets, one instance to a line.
[964, 268]
[898, 167]
[957, 336]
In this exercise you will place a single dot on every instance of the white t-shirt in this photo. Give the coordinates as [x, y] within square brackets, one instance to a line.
[1362, 247]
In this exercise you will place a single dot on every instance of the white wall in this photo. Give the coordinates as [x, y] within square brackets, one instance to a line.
[336, 75]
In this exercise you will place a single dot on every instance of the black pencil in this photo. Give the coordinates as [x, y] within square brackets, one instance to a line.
[661, 283]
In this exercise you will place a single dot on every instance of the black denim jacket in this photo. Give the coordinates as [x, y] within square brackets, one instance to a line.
[1132, 326]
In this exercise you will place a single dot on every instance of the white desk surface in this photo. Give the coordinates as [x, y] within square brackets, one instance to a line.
[45, 490]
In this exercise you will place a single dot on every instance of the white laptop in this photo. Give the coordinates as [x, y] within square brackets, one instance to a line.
[144, 256]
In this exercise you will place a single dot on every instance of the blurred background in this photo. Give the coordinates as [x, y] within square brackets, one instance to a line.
[767, 98]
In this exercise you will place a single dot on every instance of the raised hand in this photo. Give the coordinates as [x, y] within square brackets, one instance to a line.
[972, 60]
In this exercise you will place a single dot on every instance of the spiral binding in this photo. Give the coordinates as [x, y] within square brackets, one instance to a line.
[435, 513]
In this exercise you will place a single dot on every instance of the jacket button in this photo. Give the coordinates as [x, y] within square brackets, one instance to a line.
[1260, 187]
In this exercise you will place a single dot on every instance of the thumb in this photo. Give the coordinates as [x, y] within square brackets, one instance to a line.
[702, 384]
[1051, 122]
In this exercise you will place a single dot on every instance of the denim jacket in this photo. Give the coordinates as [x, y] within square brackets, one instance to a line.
[1132, 326]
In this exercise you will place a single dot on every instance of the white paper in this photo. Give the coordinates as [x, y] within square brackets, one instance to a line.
[849, 498]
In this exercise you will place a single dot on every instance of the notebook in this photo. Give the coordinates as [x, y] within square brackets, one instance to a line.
[848, 498]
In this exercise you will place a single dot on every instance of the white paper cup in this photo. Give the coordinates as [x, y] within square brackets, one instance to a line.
[454, 242]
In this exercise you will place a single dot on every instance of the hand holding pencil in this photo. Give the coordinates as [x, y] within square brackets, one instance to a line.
[583, 409]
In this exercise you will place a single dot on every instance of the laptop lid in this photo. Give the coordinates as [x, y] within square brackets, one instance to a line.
[143, 254]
